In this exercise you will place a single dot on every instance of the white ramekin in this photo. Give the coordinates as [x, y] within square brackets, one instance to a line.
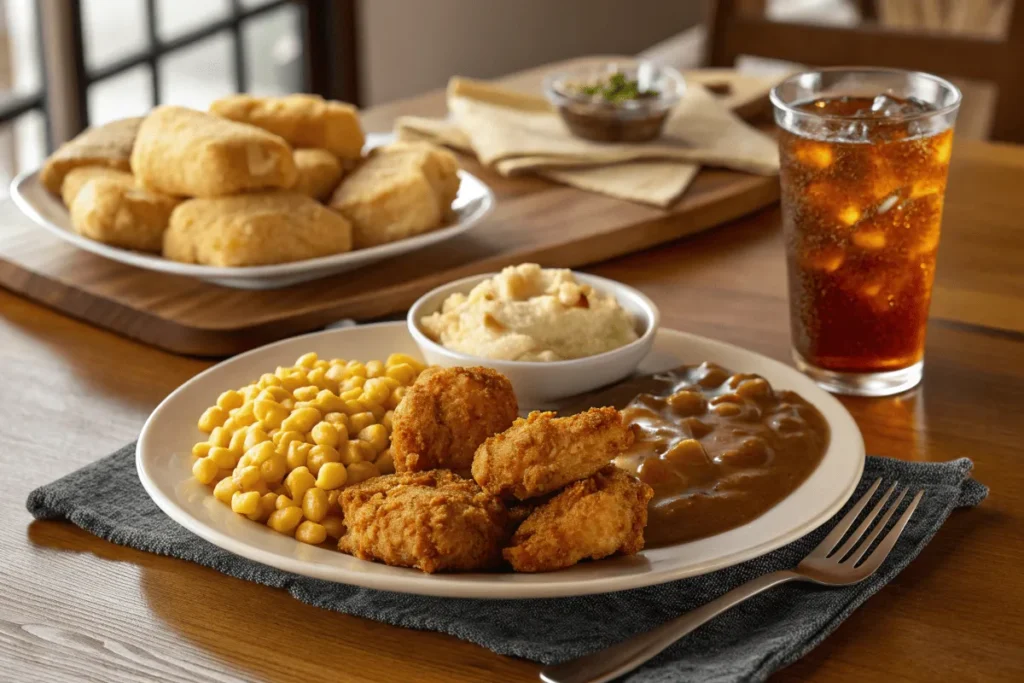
[540, 383]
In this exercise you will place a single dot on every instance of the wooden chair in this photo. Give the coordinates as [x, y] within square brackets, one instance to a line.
[737, 27]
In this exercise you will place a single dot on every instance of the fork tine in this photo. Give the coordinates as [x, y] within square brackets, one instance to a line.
[836, 535]
[855, 558]
[865, 524]
[882, 551]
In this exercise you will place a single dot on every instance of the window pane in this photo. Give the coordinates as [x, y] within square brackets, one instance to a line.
[196, 75]
[112, 29]
[273, 51]
[175, 17]
[20, 66]
[22, 146]
[121, 96]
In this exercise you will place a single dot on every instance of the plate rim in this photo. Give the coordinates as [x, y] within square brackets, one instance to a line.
[418, 583]
[354, 259]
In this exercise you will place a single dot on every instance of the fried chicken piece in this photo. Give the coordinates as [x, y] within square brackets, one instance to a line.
[117, 213]
[446, 414]
[543, 453]
[77, 178]
[319, 173]
[433, 521]
[593, 518]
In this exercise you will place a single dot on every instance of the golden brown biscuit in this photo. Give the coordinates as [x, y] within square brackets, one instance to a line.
[401, 190]
[121, 215]
[255, 229]
[109, 145]
[593, 518]
[434, 521]
[543, 453]
[76, 179]
[319, 173]
[446, 414]
[302, 120]
[185, 152]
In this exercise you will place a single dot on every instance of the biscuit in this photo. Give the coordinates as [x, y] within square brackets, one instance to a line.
[400, 191]
[302, 120]
[185, 152]
[255, 229]
[76, 179]
[319, 173]
[109, 145]
[121, 215]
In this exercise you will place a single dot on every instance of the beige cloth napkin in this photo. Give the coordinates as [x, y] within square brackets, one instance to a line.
[520, 133]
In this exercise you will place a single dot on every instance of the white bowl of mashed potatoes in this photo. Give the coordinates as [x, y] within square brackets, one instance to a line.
[552, 332]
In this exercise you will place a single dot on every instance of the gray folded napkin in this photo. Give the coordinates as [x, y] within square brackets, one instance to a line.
[747, 643]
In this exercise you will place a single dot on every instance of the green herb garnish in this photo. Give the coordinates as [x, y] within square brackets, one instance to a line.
[617, 89]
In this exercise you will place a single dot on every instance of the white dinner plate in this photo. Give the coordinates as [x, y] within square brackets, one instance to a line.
[164, 462]
[474, 201]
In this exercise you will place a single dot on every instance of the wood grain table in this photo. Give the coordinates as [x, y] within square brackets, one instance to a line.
[75, 608]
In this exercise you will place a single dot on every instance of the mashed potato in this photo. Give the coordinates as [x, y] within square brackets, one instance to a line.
[526, 313]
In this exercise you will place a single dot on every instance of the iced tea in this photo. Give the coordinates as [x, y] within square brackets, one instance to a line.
[863, 181]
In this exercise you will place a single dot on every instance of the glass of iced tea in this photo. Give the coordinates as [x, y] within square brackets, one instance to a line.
[865, 154]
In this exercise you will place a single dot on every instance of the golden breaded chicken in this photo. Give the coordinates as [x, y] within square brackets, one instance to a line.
[593, 518]
[109, 145]
[254, 229]
[76, 179]
[434, 521]
[185, 152]
[401, 190]
[302, 120]
[319, 173]
[543, 453]
[110, 211]
[446, 414]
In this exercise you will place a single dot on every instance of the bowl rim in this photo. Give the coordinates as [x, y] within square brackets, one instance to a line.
[653, 315]
[664, 99]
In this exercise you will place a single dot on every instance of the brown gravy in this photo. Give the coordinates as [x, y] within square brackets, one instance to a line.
[719, 449]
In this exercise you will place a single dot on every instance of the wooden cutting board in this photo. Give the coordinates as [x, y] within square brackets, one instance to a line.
[534, 220]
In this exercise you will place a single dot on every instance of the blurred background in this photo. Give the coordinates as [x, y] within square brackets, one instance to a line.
[66, 64]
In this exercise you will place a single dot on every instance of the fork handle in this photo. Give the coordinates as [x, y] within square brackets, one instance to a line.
[623, 657]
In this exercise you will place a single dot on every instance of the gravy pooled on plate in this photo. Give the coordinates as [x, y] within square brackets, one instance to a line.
[719, 449]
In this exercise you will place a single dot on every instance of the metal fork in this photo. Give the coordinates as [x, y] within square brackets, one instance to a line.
[825, 565]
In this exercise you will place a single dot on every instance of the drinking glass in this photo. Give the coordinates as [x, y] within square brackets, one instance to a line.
[864, 159]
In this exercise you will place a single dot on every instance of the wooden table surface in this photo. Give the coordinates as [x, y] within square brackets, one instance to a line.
[77, 608]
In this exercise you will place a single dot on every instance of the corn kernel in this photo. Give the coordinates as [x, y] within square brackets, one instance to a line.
[243, 416]
[375, 409]
[332, 475]
[260, 453]
[237, 442]
[355, 369]
[266, 507]
[336, 419]
[333, 497]
[396, 397]
[400, 358]
[230, 399]
[301, 420]
[385, 462]
[201, 449]
[297, 454]
[307, 393]
[283, 501]
[317, 378]
[269, 413]
[219, 437]
[325, 434]
[307, 360]
[298, 482]
[230, 426]
[318, 455]
[388, 420]
[273, 469]
[268, 380]
[328, 402]
[224, 489]
[224, 458]
[375, 391]
[334, 526]
[403, 373]
[314, 504]
[361, 471]
[295, 379]
[356, 451]
[284, 520]
[254, 435]
[275, 394]
[245, 502]
[214, 416]
[354, 382]
[204, 470]
[376, 435]
[360, 421]
[283, 438]
[374, 368]
[311, 532]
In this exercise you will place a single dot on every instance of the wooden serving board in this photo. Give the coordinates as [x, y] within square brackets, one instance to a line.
[534, 220]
